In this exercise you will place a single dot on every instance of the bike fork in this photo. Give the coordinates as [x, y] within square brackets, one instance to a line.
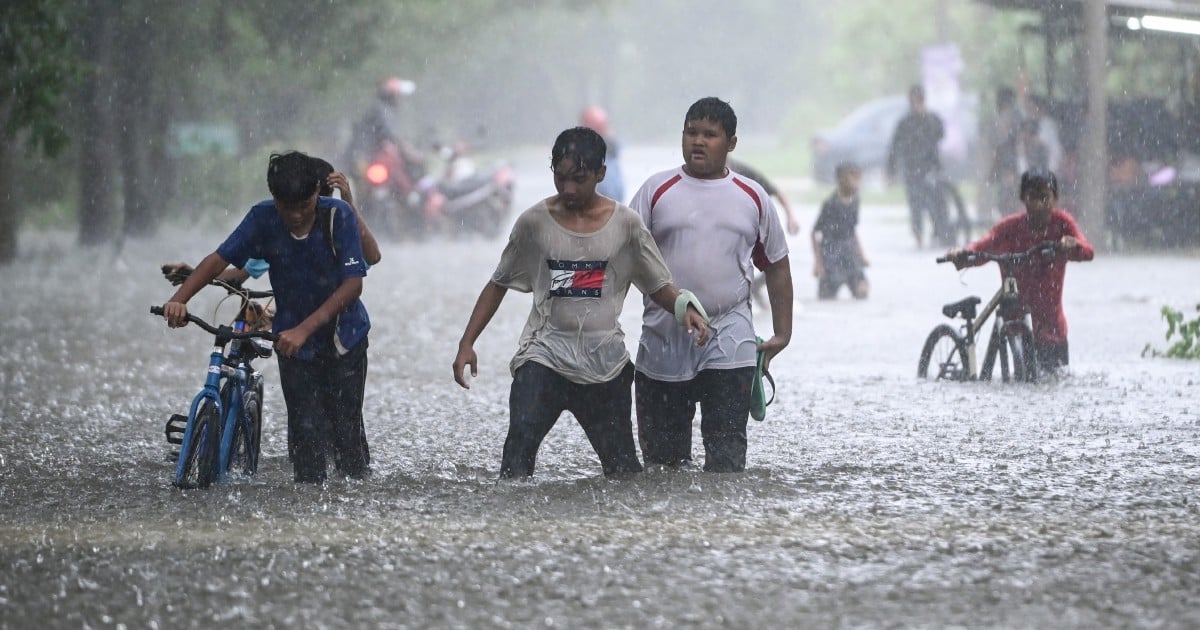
[189, 432]
[211, 393]
[232, 415]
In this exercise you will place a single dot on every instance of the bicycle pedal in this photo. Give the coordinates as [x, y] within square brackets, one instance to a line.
[175, 428]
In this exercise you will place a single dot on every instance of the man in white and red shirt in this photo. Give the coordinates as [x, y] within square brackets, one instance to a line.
[1040, 281]
[713, 227]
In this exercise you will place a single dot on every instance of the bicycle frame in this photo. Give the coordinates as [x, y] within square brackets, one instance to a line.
[241, 378]
[962, 362]
[212, 393]
[227, 380]
[971, 328]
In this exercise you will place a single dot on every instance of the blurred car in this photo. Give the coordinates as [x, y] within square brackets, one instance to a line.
[864, 136]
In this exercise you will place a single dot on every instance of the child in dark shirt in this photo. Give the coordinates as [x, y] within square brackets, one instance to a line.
[837, 253]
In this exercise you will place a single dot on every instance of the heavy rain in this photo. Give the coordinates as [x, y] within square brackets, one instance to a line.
[139, 136]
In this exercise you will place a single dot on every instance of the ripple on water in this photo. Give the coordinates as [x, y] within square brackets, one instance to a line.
[872, 499]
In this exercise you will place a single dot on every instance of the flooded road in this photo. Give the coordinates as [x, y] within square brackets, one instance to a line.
[871, 499]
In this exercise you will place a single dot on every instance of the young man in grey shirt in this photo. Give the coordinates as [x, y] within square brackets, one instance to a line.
[577, 252]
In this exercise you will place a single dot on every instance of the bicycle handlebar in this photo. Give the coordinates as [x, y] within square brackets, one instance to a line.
[1045, 248]
[223, 330]
[180, 274]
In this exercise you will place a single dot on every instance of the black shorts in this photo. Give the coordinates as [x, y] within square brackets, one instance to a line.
[829, 284]
[842, 267]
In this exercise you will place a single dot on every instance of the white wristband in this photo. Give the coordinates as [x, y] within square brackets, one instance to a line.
[681, 305]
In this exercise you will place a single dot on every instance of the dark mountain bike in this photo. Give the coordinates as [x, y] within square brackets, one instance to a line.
[949, 354]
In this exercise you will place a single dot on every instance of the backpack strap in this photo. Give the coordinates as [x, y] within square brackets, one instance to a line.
[325, 217]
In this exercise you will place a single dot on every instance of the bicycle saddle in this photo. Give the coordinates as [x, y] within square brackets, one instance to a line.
[964, 306]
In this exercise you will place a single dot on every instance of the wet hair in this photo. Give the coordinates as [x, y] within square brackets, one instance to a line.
[323, 170]
[716, 110]
[1035, 178]
[845, 168]
[291, 176]
[583, 146]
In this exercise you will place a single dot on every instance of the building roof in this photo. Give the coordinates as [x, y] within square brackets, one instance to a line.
[1180, 8]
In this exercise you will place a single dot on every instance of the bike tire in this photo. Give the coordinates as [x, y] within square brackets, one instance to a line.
[200, 461]
[258, 389]
[251, 425]
[1019, 339]
[247, 436]
[945, 349]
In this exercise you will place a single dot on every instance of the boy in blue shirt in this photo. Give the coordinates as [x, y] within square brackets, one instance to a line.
[315, 254]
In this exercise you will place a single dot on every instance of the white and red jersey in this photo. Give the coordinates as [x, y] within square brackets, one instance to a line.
[712, 233]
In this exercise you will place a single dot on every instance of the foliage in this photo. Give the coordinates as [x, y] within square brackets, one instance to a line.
[1187, 346]
[284, 74]
[38, 55]
[872, 48]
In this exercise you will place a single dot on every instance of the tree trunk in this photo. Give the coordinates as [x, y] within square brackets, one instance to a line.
[136, 131]
[97, 207]
[10, 219]
[162, 174]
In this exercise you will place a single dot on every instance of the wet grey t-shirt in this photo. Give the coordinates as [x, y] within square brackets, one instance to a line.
[712, 233]
[579, 283]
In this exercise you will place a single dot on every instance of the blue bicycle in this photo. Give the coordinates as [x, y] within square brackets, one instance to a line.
[224, 422]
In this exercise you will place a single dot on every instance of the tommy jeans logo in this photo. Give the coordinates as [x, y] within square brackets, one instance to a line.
[576, 278]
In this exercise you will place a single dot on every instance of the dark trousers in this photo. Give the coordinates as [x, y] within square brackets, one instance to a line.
[324, 398]
[665, 412]
[538, 397]
[925, 198]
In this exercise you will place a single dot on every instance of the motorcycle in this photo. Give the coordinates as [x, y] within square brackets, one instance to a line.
[468, 200]
[407, 202]
[391, 203]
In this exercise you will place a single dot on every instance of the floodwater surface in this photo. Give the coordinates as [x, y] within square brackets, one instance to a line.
[872, 499]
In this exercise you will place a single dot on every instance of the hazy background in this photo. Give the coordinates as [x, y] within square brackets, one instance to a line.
[137, 132]
[109, 93]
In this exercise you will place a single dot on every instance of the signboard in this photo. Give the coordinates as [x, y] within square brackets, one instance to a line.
[940, 69]
[204, 139]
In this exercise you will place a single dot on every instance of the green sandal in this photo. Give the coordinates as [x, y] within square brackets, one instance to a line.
[758, 394]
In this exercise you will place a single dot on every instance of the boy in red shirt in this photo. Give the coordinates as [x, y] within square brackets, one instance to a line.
[1040, 281]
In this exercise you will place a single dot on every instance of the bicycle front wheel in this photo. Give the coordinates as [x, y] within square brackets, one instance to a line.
[1019, 341]
[247, 439]
[199, 462]
[944, 357]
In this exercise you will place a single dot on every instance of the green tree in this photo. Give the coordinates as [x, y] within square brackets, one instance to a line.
[40, 66]
[159, 64]
[275, 70]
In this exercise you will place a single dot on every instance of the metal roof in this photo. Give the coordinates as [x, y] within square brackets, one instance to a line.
[1160, 7]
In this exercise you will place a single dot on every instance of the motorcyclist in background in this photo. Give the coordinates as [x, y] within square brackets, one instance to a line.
[380, 127]
[613, 185]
